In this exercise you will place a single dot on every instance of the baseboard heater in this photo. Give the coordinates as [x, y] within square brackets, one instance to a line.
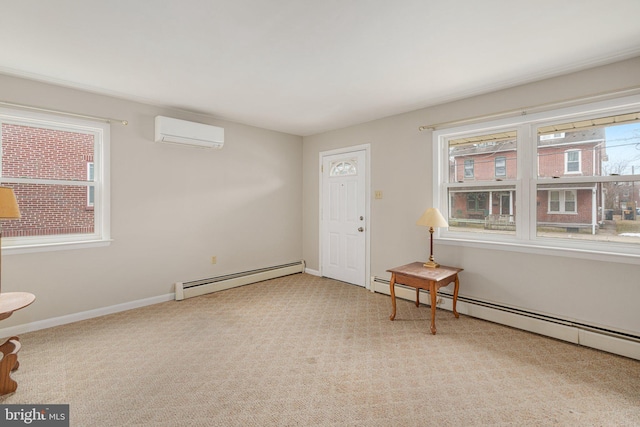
[215, 284]
[611, 341]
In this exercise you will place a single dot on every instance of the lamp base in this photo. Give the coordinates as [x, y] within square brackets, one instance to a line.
[431, 264]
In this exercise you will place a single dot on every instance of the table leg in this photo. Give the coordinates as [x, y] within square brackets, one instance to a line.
[455, 296]
[417, 297]
[434, 299]
[9, 364]
[392, 286]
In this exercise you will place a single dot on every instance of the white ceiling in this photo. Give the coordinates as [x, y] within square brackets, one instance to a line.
[308, 66]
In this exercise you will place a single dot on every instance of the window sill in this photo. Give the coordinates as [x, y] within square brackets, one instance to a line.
[543, 249]
[561, 213]
[47, 247]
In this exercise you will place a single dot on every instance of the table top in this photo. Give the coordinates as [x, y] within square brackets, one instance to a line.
[12, 301]
[417, 269]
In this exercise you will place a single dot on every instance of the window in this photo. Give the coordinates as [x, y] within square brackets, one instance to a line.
[91, 190]
[501, 166]
[477, 206]
[572, 161]
[547, 137]
[476, 202]
[56, 167]
[566, 179]
[468, 168]
[344, 168]
[562, 201]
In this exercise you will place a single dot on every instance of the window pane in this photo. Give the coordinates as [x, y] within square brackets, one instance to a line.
[573, 161]
[468, 168]
[598, 147]
[34, 152]
[490, 210]
[483, 157]
[48, 210]
[91, 189]
[590, 211]
[569, 201]
[501, 166]
[554, 201]
[344, 168]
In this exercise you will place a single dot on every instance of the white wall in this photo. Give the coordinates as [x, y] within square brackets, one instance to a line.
[599, 293]
[172, 208]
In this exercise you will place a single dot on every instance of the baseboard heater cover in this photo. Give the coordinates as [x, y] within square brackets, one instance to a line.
[611, 341]
[214, 284]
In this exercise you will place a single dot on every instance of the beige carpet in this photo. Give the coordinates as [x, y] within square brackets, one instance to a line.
[307, 351]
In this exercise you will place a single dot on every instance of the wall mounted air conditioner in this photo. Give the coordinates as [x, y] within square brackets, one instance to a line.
[188, 133]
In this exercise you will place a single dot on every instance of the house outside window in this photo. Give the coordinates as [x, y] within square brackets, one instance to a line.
[569, 180]
[56, 167]
[482, 202]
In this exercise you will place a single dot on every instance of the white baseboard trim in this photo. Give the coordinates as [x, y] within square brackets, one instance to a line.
[564, 331]
[312, 272]
[216, 284]
[84, 315]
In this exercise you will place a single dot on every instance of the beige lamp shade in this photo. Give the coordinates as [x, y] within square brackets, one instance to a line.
[8, 204]
[432, 218]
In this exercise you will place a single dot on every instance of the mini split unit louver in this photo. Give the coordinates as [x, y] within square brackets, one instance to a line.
[188, 133]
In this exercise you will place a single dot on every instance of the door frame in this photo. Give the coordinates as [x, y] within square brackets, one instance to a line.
[367, 205]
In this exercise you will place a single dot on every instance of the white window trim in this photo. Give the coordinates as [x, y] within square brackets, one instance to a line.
[472, 162]
[566, 162]
[550, 136]
[102, 193]
[495, 166]
[562, 201]
[90, 178]
[525, 239]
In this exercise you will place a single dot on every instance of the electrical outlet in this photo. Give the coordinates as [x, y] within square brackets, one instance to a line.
[214, 260]
[378, 194]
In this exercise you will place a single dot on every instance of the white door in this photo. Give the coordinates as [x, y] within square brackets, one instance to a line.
[343, 217]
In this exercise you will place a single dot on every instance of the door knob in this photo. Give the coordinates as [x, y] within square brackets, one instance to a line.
[360, 229]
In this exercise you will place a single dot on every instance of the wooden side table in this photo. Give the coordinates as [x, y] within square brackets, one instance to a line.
[10, 302]
[431, 279]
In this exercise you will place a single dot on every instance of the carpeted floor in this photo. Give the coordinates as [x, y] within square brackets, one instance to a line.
[308, 351]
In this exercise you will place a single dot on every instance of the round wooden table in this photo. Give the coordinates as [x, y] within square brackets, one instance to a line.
[13, 301]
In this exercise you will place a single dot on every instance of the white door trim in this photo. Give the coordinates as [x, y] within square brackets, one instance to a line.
[367, 202]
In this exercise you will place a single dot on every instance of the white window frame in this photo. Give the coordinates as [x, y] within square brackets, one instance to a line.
[550, 136]
[503, 167]
[566, 161]
[90, 178]
[472, 162]
[101, 161]
[525, 239]
[562, 202]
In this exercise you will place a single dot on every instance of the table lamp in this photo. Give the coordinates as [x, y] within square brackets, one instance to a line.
[432, 218]
[8, 210]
